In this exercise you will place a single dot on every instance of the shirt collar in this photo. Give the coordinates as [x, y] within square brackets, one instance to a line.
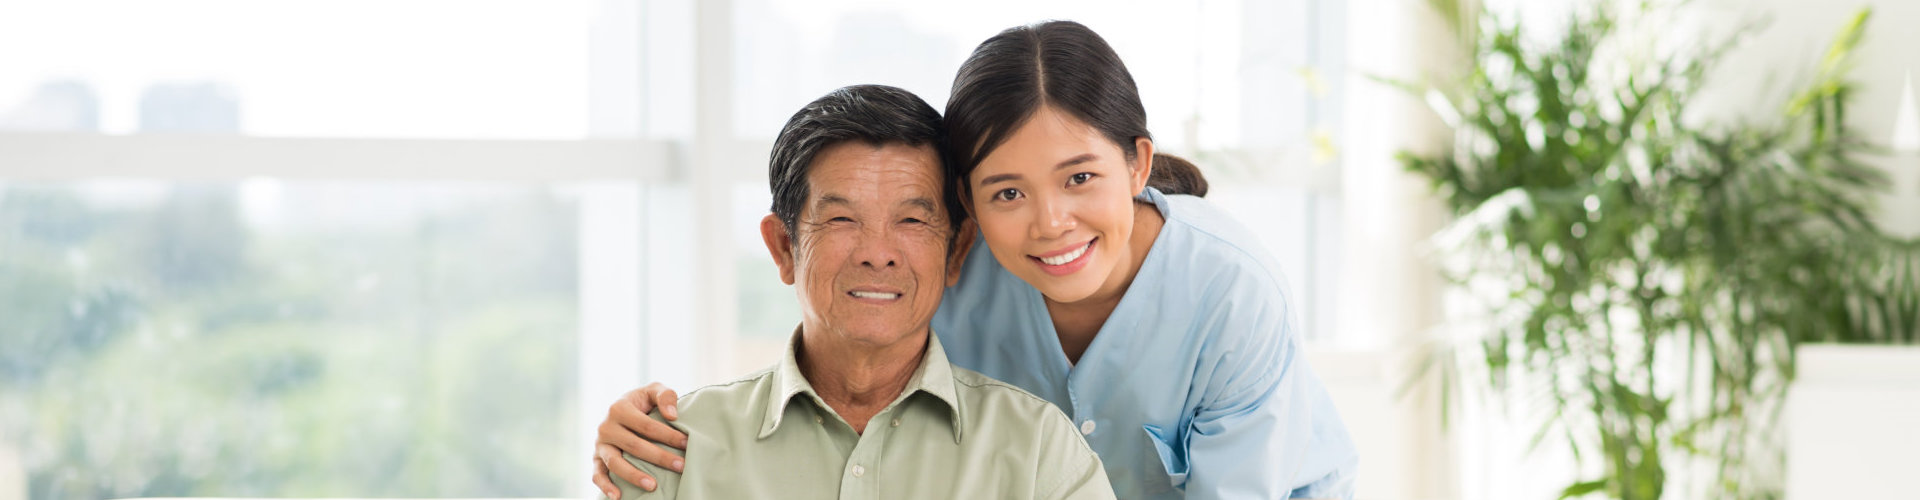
[1158, 199]
[934, 376]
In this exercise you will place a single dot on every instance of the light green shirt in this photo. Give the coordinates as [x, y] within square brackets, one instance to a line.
[952, 433]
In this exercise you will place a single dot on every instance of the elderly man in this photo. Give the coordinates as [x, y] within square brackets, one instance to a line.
[865, 404]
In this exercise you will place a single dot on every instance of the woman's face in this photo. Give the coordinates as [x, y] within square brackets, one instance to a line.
[1055, 203]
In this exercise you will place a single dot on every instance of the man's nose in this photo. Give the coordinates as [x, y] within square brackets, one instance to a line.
[878, 261]
[877, 249]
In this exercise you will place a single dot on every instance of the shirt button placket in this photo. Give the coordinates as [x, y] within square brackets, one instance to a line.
[854, 483]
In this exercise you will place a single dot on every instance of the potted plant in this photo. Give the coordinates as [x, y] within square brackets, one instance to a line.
[1648, 275]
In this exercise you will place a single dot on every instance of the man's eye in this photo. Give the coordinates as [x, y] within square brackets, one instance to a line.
[840, 219]
[911, 220]
[1080, 178]
[1008, 194]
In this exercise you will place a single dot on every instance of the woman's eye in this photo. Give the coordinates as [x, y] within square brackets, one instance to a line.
[1008, 194]
[1079, 178]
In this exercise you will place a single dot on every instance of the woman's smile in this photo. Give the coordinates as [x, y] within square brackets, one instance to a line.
[1066, 261]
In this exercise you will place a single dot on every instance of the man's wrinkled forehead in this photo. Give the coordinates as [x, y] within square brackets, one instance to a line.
[832, 178]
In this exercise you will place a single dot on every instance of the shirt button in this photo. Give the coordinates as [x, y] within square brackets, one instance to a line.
[1086, 428]
[896, 422]
[859, 471]
[818, 420]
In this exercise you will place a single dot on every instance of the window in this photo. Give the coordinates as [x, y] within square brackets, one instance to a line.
[1242, 88]
[306, 249]
[314, 338]
[359, 248]
[1215, 75]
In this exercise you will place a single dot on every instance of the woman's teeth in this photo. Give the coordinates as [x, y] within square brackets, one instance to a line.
[1067, 257]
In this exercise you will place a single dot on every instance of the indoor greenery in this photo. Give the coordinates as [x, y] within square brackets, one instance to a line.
[1645, 276]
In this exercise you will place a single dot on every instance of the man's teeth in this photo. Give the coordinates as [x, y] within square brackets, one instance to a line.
[876, 295]
[1066, 257]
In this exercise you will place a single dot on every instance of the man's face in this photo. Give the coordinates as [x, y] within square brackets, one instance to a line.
[869, 249]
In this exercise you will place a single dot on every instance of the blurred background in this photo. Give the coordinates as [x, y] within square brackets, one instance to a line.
[413, 249]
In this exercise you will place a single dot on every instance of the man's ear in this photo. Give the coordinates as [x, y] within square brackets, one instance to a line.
[1143, 168]
[780, 244]
[962, 244]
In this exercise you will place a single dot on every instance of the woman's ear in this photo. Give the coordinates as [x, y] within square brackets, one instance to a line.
[966, 199]
[1143, 163]
[962, 244]
[780, 244]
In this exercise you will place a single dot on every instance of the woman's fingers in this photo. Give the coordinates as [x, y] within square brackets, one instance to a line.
[601, 479]
[656, 432]
[630, 417]
[638, 400]
[628, 429]
[618, 466]
[657, 395]
[646, 450]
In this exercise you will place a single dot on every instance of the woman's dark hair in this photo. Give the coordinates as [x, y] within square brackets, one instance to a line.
[1176, 175]
[873, 114]
[1056, 63]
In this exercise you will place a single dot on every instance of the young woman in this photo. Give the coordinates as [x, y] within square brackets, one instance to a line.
[1156, 322]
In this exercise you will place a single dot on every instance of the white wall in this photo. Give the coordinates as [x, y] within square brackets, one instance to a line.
[1395, 436]
[1390, 292]
[1784, 54]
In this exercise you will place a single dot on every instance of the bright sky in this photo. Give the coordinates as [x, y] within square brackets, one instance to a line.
[1174, 50]
[520, 69]
[352, 68]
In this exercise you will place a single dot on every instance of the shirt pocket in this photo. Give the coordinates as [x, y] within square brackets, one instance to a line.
[1172, 448]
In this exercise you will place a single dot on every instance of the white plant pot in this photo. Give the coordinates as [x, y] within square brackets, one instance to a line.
[1853, 422]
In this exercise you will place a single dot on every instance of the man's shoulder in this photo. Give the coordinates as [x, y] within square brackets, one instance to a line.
[980, 385]
[718, 404]
[989, 398]
[1015, 419]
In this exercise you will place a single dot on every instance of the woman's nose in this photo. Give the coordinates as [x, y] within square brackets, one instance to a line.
[1053, 219]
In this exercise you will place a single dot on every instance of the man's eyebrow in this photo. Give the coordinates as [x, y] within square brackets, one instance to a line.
[1082, 158]
[924, 204]
[832, 199]
[921, 202]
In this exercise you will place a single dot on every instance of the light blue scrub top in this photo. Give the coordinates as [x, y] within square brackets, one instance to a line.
[1194, 388]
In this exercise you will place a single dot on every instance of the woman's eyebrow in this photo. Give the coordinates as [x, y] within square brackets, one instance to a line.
[991, 179]
[1083, 158]
[1076, 160]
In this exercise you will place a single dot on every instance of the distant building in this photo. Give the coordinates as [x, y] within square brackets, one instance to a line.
[56, 106]
[197, 107]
